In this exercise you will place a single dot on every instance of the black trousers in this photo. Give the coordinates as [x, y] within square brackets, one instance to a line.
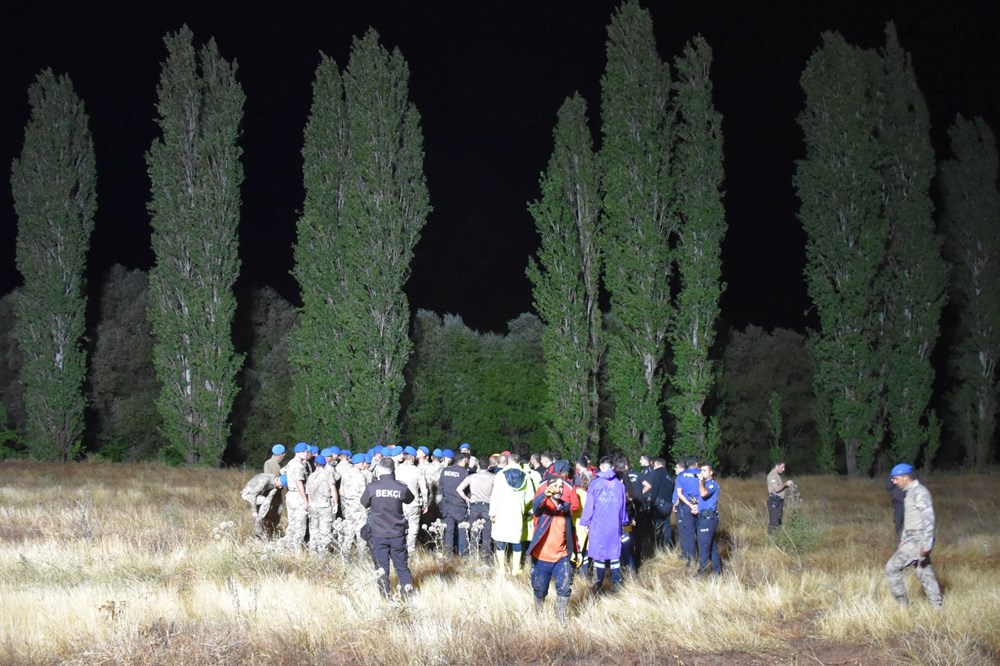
[454, 514]
[391, 548]
[775, 507]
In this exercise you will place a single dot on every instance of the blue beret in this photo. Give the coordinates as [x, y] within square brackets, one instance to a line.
[369, 458]
[301, 446]
[345, 452]
[314, 450]
[395, 451]
[900, 469]
[424, 449]
[334, 450]
[410, 451]
[320, 460]
[326, 452]
[464, 446]
[437, 453]
[278, 449]
[357, 458]
[284, 480]
[447, 453]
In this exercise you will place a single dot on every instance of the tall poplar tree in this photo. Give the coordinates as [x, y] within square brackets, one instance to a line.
[635, 157]
[317, 348]
[838, 186]
[196, 174]
[53, 186]
[380, 206]
[701, 228]
[566, 277]
[971, 221]
[915, 272]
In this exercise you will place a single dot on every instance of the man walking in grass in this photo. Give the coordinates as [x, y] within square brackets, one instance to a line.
[917, 539]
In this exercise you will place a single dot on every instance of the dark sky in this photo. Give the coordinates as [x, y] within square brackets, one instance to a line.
[487, 78]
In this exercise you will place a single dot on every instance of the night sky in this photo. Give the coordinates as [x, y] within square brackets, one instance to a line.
[487, 79]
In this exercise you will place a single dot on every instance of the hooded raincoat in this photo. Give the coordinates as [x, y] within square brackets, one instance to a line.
[510, 502]
[604, 513]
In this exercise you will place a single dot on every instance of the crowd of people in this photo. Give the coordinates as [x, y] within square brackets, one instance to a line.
[595, 519]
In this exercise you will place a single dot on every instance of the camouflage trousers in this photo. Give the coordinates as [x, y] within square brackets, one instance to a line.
[355, 518]
[298, 521]
[412, 515]
[907, 555]
[320, 527]
[266, 523]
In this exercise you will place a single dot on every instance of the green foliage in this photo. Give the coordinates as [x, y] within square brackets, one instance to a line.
[362, 216]
[53, 186]
[123, 386]
[316, 347]
[11, 442]
[196, 175]
[482, 388]
[766, 393]
[839, 188]
[971, 222]
[701, 228]
[874, 263]
[916, 275]
[262, 414]
[11, 388]
[638, 189]
[566, 279]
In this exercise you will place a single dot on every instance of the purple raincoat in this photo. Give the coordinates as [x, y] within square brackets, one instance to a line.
[604, 513]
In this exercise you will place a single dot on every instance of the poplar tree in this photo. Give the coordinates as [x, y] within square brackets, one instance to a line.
[53, 186]
[701, 228]
[566, 282]
[971, 221]
[317, 346]
[839, 188]
[638, 186]
[380, 206]
[915, 272]
[196, 174]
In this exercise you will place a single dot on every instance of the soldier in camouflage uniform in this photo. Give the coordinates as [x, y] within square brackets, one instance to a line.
[916, 541]
[352, 485]
[297, 501]
[409, 475]
[263, 493]
[322, 507]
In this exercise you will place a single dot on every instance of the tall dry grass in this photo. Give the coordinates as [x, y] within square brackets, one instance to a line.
[144, 564]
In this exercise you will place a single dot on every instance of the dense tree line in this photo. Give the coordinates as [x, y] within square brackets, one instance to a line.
[624, 353]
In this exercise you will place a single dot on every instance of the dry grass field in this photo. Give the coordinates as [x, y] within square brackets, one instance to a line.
[145, 564]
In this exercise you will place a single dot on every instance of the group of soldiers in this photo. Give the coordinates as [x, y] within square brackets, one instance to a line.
[596, 518]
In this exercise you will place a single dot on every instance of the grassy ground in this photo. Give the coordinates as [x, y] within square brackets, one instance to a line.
[143, 564]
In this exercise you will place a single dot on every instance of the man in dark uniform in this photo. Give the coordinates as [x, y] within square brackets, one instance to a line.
[385, 498]
[687, 520]
[659, 487]
[454, 509]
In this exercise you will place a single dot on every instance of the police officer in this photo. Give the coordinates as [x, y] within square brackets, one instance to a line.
[687, 502]
[384, 498]
[708, 520]
[454, 510]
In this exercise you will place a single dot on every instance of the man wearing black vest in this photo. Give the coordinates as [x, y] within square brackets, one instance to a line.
[384, 498]
[454, 509]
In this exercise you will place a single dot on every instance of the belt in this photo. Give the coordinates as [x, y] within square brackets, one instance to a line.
[708, 512]
[478, 502]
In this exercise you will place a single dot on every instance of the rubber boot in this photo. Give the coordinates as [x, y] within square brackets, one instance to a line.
[562, 607]
[501, 558]
[515, 562]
